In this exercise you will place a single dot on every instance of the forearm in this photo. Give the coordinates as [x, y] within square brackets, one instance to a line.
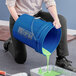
[53, 11]
[13, 12]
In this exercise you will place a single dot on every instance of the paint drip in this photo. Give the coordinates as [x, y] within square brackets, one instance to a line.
[47, 73]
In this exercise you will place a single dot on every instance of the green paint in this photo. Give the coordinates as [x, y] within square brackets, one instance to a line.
[47, 54]
[40, 71]
[51, 73]
[47, 73]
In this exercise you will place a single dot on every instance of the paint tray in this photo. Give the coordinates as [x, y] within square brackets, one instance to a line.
[63, 72]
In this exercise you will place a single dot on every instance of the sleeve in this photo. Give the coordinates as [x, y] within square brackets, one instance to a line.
[10, 2]
[49, 3]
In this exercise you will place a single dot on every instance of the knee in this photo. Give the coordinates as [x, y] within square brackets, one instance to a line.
[62, 19]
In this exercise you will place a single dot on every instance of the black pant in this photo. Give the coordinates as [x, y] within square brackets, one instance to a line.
[62, 49]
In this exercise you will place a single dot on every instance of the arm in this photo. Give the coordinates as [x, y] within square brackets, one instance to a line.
[13, 12]
[11, 7]
[53, 11]
[51, 6]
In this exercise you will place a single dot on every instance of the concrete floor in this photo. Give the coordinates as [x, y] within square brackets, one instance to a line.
[34, 59]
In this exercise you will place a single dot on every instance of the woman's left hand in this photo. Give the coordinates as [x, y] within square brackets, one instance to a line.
[57, 24]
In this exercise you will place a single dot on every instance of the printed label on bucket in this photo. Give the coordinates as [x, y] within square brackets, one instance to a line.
[25, 33]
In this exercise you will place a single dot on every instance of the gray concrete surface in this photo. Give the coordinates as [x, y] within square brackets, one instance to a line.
[34, 59]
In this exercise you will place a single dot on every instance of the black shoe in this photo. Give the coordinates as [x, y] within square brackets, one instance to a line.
[19, 56]
[6, 43]
[64, 63]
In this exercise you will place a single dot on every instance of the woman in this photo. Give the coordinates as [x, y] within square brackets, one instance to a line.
[34, 8]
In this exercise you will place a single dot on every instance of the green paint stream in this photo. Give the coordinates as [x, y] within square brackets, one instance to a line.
[47, 73]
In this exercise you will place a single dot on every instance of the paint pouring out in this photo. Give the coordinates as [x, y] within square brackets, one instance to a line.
[47, 73]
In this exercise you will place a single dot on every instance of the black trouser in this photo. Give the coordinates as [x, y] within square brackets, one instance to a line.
[62, 49]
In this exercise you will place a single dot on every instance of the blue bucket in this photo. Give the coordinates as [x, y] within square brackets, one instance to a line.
[36, 33]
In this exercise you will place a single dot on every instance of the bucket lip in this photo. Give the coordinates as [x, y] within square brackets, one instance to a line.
[59, 38]
[42, 40]
[58, 41]
[45, 36]
[48, 28]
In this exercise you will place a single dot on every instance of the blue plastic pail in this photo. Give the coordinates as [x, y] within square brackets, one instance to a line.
[36, 33]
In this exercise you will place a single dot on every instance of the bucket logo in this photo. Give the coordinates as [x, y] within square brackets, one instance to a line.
[25, 33]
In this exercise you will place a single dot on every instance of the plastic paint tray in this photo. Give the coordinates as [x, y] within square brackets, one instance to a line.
[34, 72]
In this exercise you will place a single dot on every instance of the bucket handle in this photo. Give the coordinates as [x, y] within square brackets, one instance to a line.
[32, 26]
